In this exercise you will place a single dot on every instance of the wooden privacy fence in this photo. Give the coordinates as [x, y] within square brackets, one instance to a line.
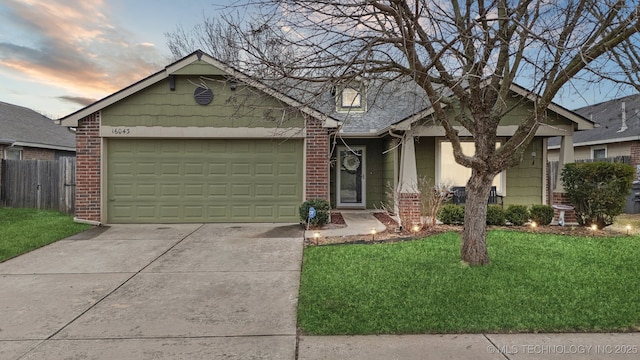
[39, 184]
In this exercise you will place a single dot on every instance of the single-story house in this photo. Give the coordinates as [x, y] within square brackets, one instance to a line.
[617, 132]
[27, 135]
[199, 141]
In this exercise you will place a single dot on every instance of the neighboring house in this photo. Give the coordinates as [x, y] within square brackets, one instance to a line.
[617, 132]
[201, 142]
[26, 134]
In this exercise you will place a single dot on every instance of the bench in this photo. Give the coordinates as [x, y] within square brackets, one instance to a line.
[459, 196]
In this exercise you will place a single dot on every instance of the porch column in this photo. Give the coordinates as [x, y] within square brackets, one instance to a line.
[408, 191]
[559, 195]
[566, 157]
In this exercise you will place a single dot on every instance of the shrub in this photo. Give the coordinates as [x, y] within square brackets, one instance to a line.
[597, 190]
[432, 196]
[323, 210]
[451, 214]
[517, 214]
[495, 215]
[541, 214]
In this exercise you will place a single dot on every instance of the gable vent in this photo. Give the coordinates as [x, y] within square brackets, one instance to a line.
[203, 96]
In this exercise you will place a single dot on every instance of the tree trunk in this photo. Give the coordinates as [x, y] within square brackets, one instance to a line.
[474, 233]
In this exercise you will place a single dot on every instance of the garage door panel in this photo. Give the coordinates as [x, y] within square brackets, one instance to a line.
[265, 169]
[154, 180]
[287, 190]
[169, 169]
[288, 211]
[265, 211]
[167, 190]
[194, 213]
[145, 212]
[194, 169]
[218, 169]
[147, 190]
[218, 190]
[194, 190]
[264, 190]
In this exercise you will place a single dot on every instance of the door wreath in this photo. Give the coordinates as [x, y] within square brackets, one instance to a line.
[351, 162]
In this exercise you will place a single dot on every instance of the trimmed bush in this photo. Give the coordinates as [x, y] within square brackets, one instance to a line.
[495, 215]
[517, 214]
[541, 214]
[597, 190]
[451, 214]
[323, 210]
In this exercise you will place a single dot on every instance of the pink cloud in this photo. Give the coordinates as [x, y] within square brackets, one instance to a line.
[73, 45]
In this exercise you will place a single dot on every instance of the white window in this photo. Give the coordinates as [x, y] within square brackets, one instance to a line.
[598, 153]
[13, 153]
[351, 98]
[453, 174]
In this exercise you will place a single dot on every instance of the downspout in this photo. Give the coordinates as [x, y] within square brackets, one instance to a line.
[9, 142]
[396, 190]
[332, 147]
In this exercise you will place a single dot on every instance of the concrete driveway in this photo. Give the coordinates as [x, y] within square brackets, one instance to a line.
[155, 292]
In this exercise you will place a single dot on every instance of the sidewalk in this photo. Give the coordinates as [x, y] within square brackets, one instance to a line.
[359, 222]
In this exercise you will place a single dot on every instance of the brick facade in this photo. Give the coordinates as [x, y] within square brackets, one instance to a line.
[409, 208]
[29, 153]
[88, 168]
[317, 160]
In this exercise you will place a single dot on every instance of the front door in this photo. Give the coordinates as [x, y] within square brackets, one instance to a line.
[351, 177]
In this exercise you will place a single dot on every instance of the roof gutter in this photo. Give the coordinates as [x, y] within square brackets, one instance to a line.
[9, 142]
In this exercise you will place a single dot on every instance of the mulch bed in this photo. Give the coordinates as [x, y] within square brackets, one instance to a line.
[394, 234]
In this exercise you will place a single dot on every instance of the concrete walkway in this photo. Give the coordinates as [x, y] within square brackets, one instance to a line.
[213, 292]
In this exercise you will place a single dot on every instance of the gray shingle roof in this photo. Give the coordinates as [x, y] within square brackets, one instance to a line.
[27, 126]
[387, 102]
[608, 115]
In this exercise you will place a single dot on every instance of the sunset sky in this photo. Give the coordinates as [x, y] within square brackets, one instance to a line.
[57, 56]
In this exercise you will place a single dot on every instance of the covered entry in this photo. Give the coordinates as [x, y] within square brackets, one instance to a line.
[198, 180]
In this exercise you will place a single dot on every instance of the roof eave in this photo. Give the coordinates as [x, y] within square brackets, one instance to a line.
[44, 146]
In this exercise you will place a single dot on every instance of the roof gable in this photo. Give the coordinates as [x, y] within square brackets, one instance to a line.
[197, 63]
[580, 122]
[22, 126]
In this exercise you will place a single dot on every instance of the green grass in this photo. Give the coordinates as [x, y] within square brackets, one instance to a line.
[535, 283]
[23, 230]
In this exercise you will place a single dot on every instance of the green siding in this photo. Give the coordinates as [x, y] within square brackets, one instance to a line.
[199, 67]
[524, 182]
[375, 167]
[518, 109]
[175, 181]
[388, 164]
[426, 158]
[158, 105]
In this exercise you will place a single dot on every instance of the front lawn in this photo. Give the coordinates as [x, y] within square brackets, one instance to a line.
[22, 230]
[535, 283]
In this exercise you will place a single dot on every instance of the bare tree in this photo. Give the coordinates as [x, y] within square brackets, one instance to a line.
[465, 55]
